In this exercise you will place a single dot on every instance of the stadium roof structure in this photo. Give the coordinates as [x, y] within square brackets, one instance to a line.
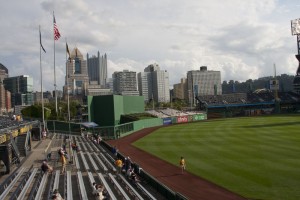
[89, 124]
[262, 90]
[240, 105]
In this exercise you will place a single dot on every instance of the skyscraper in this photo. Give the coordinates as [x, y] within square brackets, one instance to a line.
[77, 78]
[21, 89]
[153, 83]
[3, 72]
[124, 83]
[145, 85]
[97, 69]
[180, 90]
[203, 82]
[4, 94]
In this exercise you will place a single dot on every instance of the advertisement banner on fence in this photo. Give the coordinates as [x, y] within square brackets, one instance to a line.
[167, 121]
[182, 119]
[199, 117]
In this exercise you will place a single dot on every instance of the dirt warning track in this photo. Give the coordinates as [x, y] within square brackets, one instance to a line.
[189, 185]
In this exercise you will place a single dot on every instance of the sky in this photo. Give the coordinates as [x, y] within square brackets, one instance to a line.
[243, 39]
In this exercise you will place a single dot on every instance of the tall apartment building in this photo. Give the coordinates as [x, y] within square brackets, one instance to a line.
[180, 90]
[21, 89]
[5, 99]
[46, 96]
[77, 79]
[153, 83]
[2, 98]
[145, 85]
[3, 72]
[203, 82]
[5, 96]
[124, 83]
[97, 69]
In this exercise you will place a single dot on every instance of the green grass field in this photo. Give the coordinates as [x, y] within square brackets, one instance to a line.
[256, 157]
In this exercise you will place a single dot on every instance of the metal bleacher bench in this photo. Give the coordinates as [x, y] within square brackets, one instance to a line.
[84, 147]
[92, 161]
[130, 188]
[101, 163]
[84, 162]
[56, 179]
[107, 162]
[118, 186]
[139, 185]
[94, 146]
[20, 193]
[111, 194]
[82, 187]
[76, 161]
[69, 186]
[8, 185]
[41, 186]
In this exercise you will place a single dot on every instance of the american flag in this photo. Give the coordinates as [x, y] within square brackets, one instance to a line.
[56, 32]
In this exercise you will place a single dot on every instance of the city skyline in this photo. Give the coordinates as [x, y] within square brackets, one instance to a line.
[242, 40]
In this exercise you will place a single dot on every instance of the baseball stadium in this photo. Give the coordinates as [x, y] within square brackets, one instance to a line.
[238, 146]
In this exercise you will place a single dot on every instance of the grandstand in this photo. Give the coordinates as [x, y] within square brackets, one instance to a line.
[258, 96]
[259, 102]
[169, 112]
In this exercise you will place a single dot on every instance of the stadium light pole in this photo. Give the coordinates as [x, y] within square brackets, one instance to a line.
[295, 28]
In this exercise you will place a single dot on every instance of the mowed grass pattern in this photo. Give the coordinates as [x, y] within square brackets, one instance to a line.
[256, 157]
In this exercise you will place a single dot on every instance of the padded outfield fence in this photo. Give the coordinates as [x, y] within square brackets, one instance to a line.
[118, 131]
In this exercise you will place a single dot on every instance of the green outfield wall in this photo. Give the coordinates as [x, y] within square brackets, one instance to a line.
[121, 130]
[107, 110]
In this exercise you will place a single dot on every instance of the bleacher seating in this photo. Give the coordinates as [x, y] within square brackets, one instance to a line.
[100, 162]
[41, 187]
[93, 163]
[141, 187]
[130, 188]
[81, 186]
[108, 189]
[10, 182]
[86, 166]
[24, 185]
[118, 187]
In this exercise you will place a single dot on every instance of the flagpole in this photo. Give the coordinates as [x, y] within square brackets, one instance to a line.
[67, 81]
[55, 92]
[41, 71]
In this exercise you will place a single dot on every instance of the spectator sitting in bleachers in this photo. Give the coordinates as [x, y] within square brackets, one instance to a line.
[99, 139]
[46, 167]
[115, 151]
[129, 172]
[127, 163]
[134, 177]
[119, 164]
[74, 146]
[98, 191]
[44, 133]
[94, 186]
[56, 195]
[14, 117]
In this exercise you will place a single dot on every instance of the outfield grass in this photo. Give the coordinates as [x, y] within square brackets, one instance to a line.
[256, 157]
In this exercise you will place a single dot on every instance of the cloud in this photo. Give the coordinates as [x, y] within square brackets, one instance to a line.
[242, 39]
